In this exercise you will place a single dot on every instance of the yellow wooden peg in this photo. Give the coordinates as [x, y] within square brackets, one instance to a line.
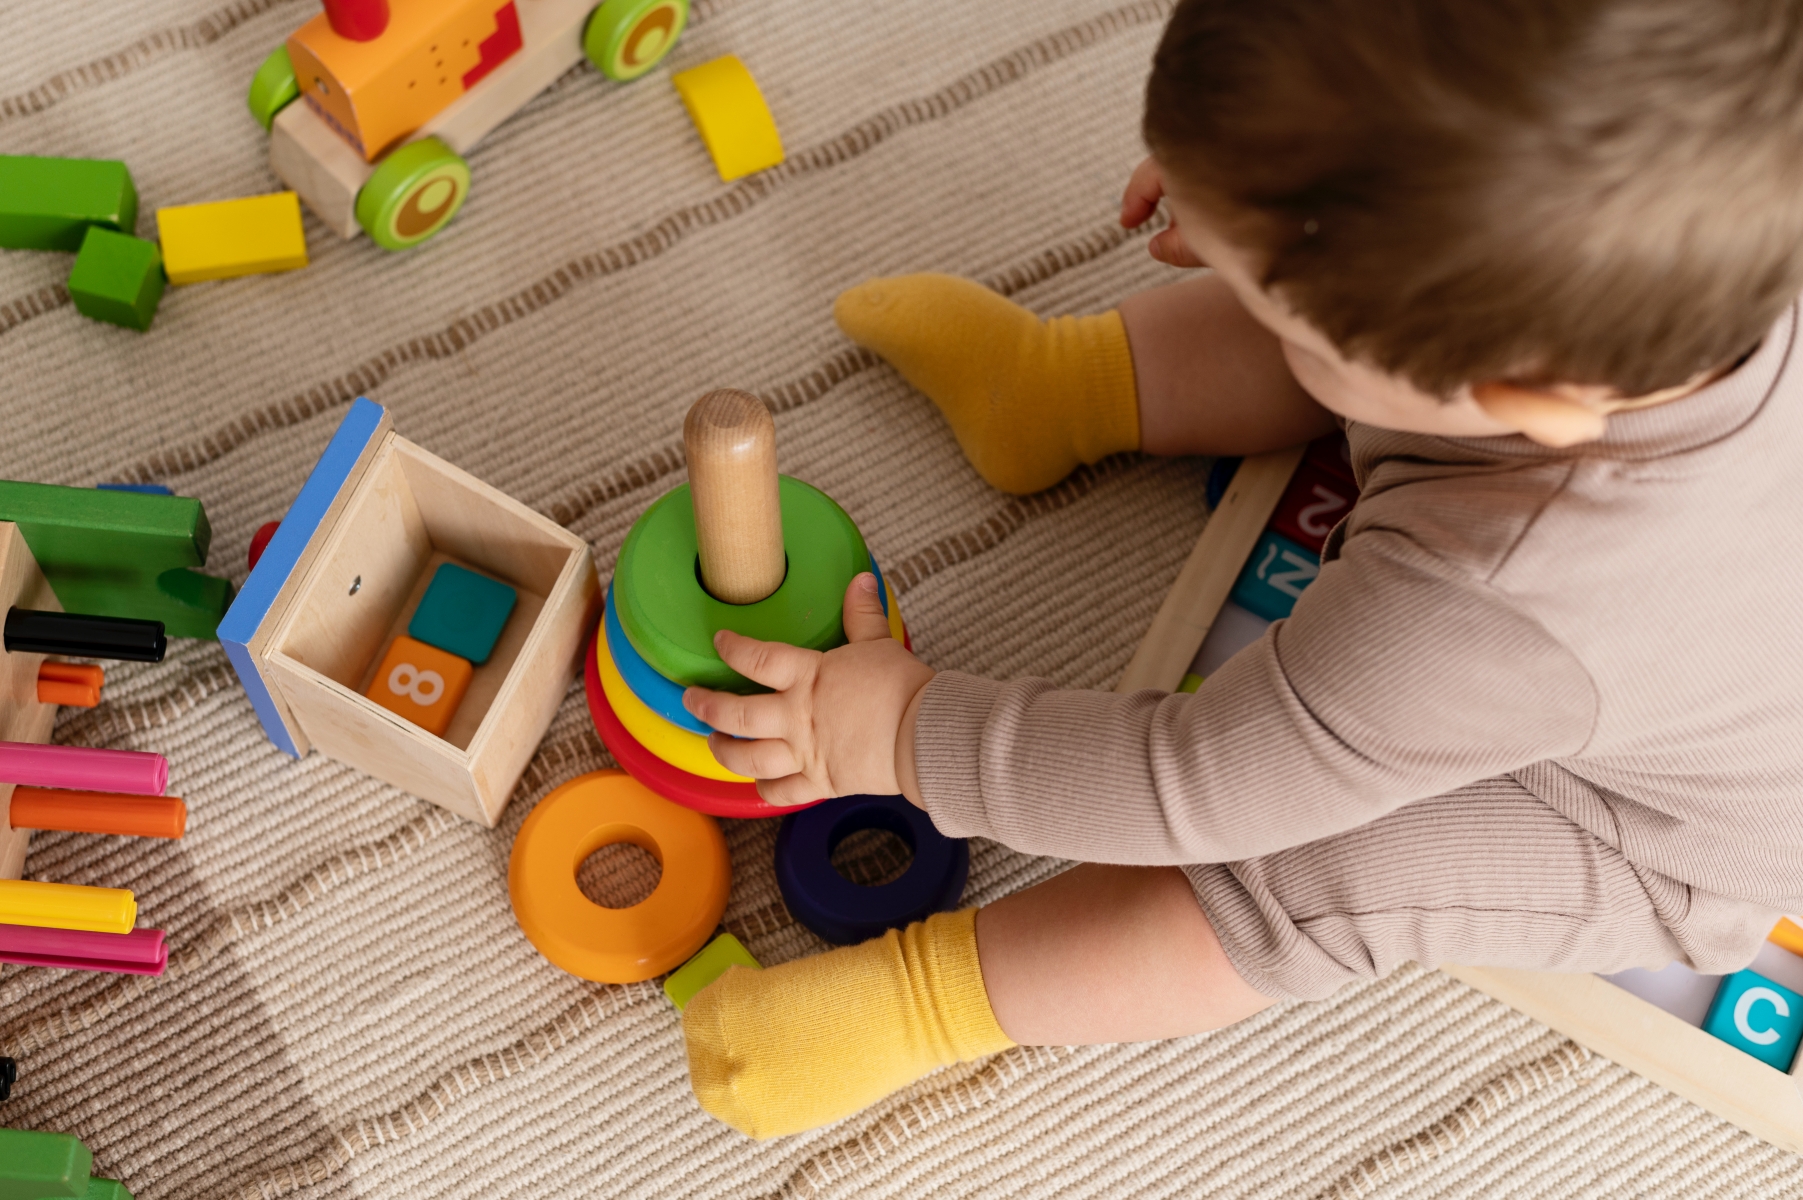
[67, 906]
[252, 236]
[730, 115]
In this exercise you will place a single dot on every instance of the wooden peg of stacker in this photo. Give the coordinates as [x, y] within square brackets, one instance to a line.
[731, 443]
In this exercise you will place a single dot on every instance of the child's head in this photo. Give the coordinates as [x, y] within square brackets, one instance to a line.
[1561, 201]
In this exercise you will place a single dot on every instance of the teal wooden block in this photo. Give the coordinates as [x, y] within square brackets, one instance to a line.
[1274, 576]
[709, 964]
[121, 554]
[49, 203]
[43, 1166]
[462, 613]
[117, 278]
[1754, 1014]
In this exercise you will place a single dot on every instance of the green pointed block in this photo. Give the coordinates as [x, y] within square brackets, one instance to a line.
[43, 1166]
[121, 554]
[106, 1189]
[49, 203]
[709, 964]
[118, 278]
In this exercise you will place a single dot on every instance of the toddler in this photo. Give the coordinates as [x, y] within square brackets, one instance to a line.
[1542, 708]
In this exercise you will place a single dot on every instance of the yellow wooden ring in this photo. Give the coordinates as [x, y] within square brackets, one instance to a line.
[617, 945]
[896, 630]
[681, 748]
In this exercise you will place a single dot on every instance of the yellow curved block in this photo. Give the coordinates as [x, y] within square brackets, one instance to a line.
[682, 748]
[66, 906]
[730, 115]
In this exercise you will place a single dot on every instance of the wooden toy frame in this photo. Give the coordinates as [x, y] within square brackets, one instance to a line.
[22, 717]
[343, 575]
[1616, 1024]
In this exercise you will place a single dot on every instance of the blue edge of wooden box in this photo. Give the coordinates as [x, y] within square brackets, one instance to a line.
[283, 554]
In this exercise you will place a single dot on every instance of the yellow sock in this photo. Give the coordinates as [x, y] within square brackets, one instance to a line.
[1028, 399]
[797, 1046]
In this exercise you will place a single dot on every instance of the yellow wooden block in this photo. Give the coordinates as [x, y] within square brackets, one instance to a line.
[730, 115]
[252, 236]
[1788, 934]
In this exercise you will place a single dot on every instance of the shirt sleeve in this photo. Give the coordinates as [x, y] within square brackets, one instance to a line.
[1398, 676]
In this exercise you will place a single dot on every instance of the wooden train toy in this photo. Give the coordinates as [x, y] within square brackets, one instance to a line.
[372, 105]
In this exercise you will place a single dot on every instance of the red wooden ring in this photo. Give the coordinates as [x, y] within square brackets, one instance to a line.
[715, 797]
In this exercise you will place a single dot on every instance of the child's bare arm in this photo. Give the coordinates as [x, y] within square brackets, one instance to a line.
[1211, 379]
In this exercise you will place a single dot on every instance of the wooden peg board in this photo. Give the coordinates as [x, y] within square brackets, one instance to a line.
[1613, 1022]
[22, 718]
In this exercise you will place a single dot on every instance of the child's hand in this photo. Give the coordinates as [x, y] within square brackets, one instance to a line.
[1145, 188]
[831, 726]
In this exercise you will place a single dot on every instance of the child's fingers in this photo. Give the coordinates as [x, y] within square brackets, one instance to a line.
[1169, 248]
[773, 664]
[864, 617]
[789, 791]
[740, 716]
[766, 758]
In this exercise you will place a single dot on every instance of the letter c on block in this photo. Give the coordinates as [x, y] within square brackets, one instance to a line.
[1743, 1008]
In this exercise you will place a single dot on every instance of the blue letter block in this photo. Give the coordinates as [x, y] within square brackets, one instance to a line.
[1275, 575]
[462, 613]
[1752, 1013]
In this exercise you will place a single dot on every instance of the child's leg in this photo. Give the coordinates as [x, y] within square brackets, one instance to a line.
[1098, 954]
[1182, 369]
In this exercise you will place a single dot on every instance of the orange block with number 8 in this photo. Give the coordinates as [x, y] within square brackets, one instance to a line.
[421, 683]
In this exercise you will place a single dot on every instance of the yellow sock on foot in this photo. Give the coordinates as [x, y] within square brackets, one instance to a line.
[797, 1046]
[1028, 399]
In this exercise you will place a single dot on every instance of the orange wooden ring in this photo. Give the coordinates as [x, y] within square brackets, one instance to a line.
[617, 945]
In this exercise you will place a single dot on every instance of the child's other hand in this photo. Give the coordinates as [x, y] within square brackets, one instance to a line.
[1145, 188]
[831, 726]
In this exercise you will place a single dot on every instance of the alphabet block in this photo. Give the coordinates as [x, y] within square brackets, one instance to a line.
[1755, 1014]
[421, 683]
[1274, 576]
[1312, 505]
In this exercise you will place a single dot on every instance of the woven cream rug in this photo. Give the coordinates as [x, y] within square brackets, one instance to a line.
[350, 1009]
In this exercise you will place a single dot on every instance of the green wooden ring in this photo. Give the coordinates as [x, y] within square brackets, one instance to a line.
[671, 620]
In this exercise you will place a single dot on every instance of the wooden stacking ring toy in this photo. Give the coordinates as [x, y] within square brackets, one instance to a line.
[683, 749]
[617, 945]
[671, 618]
[664, 697]
[843, 912]
[711, 796]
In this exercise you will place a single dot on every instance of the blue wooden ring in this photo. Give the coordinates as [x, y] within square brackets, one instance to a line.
[843, 912]
[662, 696]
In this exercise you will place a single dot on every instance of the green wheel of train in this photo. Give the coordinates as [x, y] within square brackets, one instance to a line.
[272, 88]
[413, 194]
[626, 38]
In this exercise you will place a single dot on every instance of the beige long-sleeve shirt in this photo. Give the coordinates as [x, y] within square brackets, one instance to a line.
[1618, 626]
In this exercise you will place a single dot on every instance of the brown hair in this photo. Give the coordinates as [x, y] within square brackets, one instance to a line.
[1457, 191]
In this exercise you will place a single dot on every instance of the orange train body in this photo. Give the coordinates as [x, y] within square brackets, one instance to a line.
[378, 93]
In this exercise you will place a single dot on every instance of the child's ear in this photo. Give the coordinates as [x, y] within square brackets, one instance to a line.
[1545, 416]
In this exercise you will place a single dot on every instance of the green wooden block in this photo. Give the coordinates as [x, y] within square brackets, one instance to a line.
[49, 203]
[121, 554]
[118, 278]
[43, 1166]
[106, 1189]
[708, 965]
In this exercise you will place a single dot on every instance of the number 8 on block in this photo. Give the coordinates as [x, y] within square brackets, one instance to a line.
[421, 683]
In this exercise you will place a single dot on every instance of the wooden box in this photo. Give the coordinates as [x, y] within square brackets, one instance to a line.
[342, 576]
[1610, 1020]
